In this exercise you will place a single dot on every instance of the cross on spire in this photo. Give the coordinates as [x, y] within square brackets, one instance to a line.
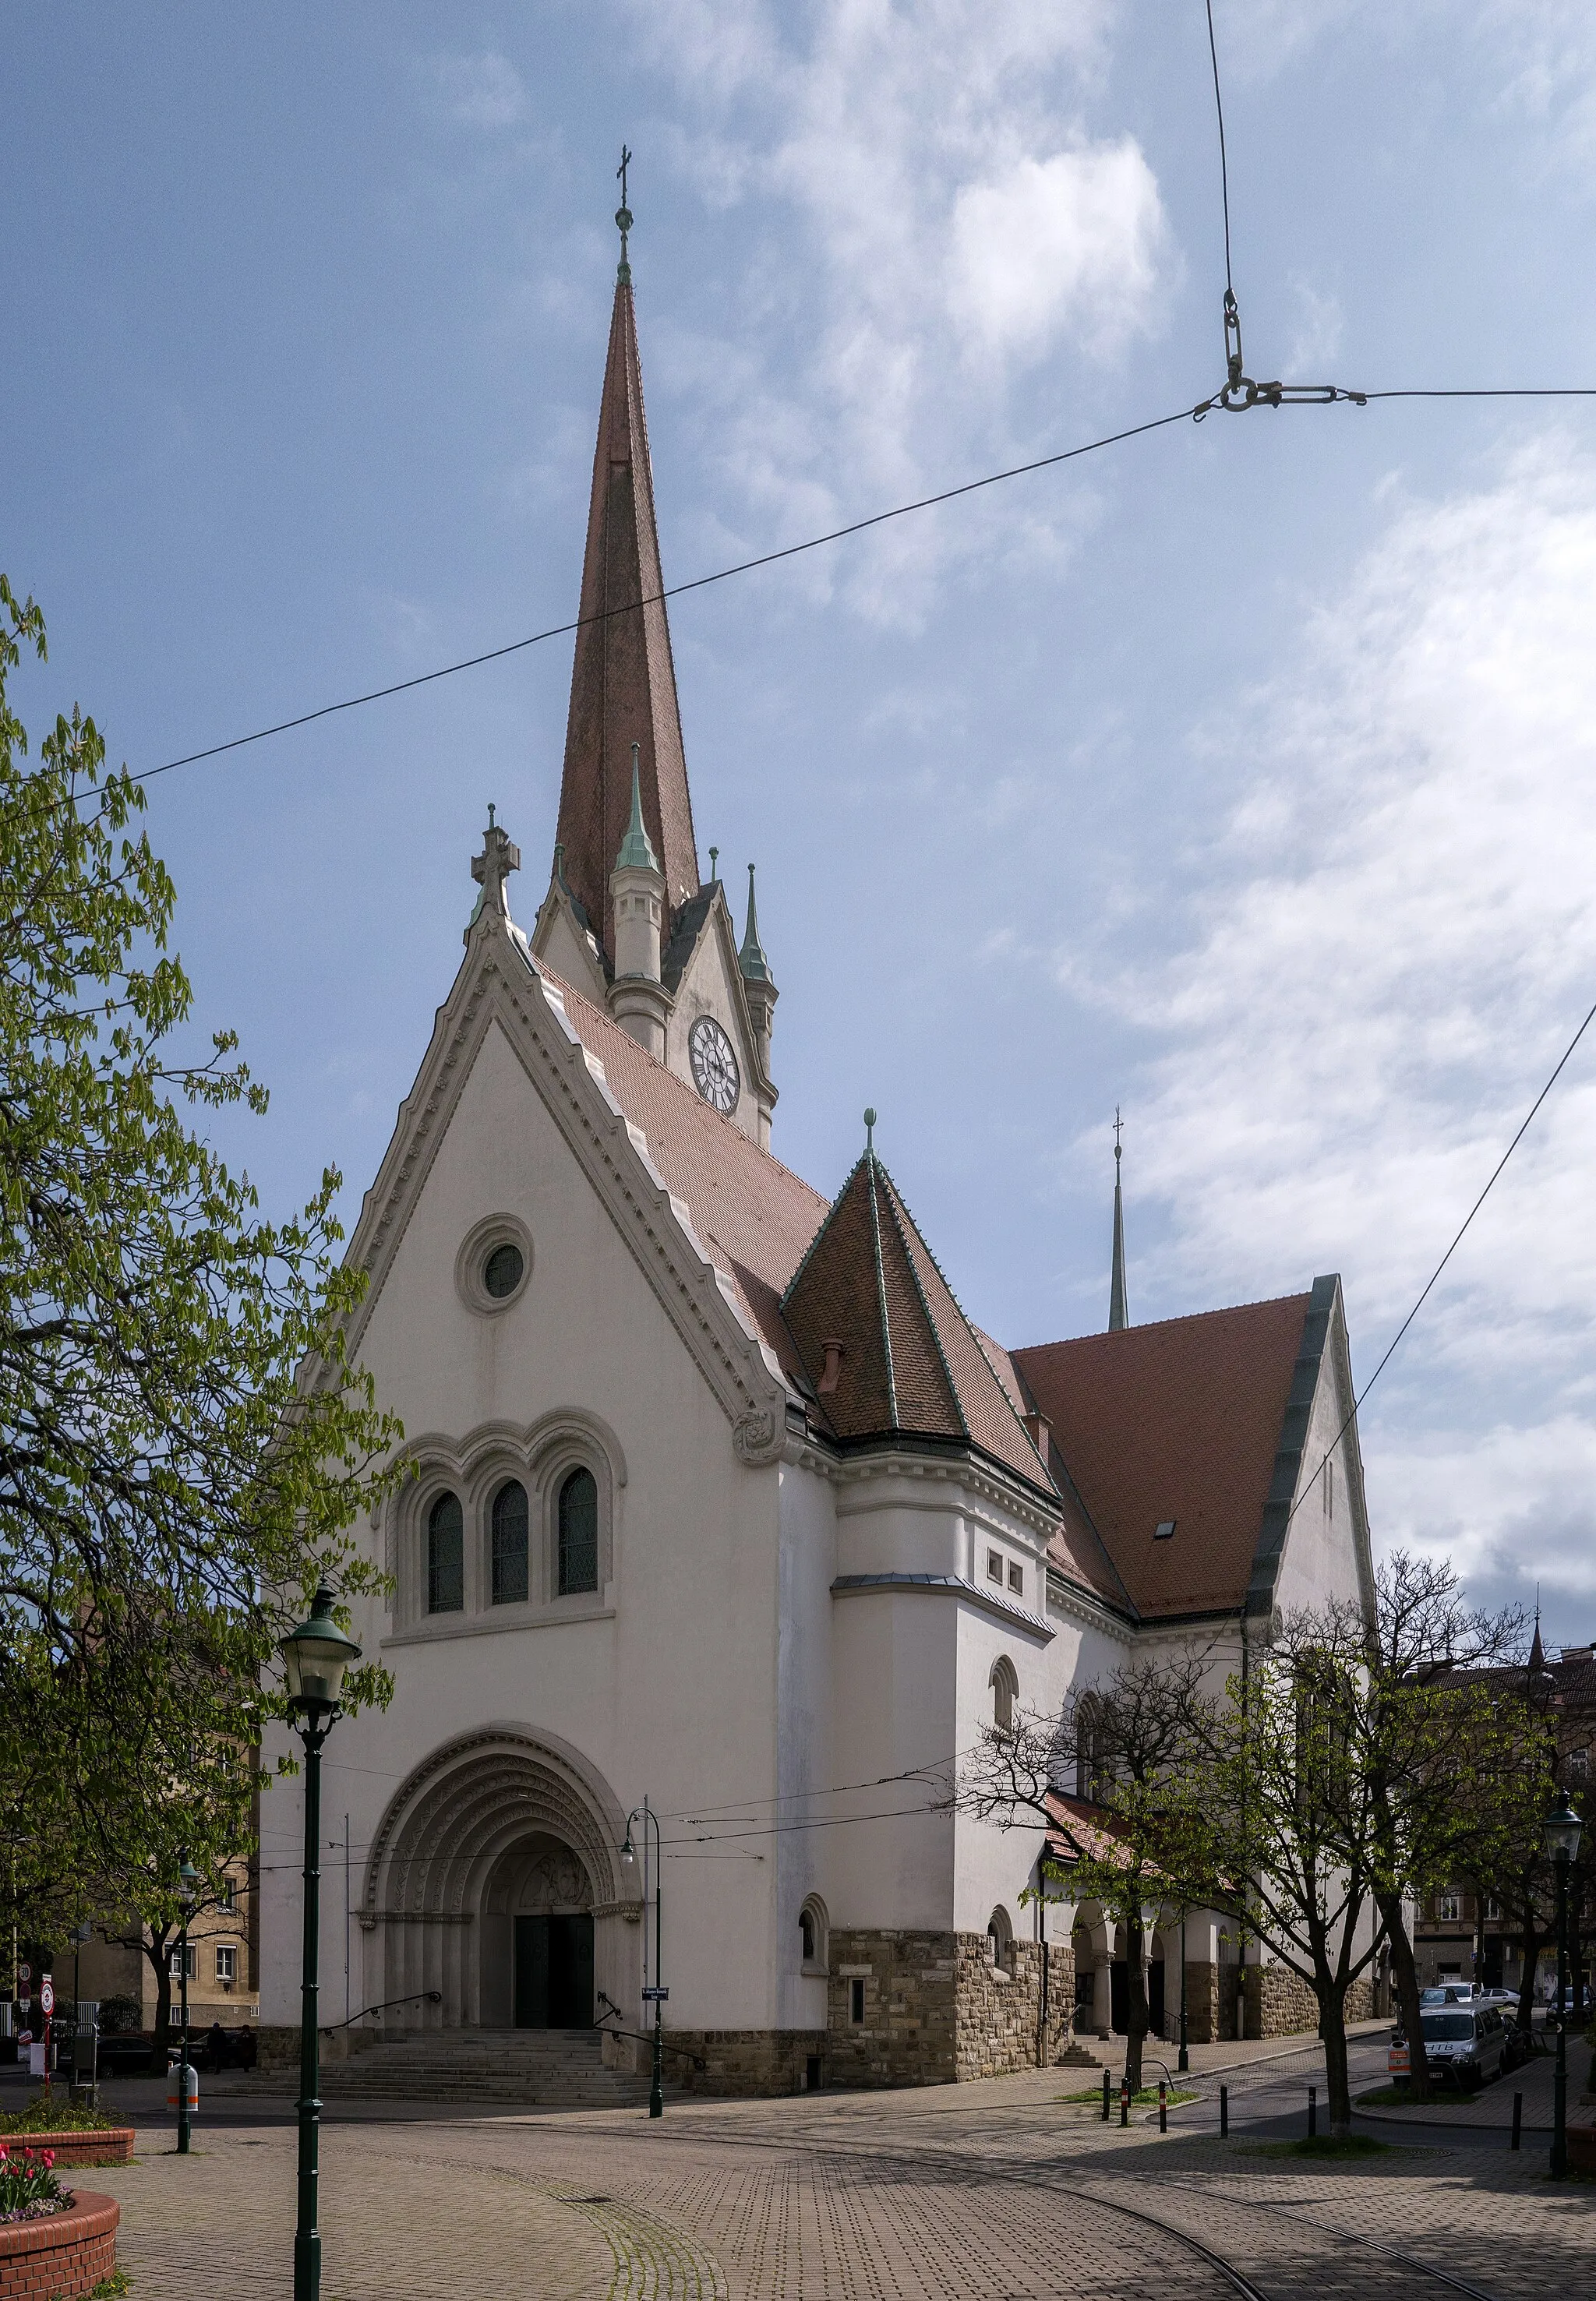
[624, 216]
[1119, 1315]
[499, 857]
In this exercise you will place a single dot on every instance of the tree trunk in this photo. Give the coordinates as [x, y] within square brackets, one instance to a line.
[1135, 2002]
[1404, 1973]
[1530, 1938]
[1333, 2028]
[159, 1952]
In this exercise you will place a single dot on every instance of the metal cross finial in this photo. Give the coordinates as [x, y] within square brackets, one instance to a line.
[1117, 1131]
[623, 215]
[715, 864]
[870, 1133]
[490, 814]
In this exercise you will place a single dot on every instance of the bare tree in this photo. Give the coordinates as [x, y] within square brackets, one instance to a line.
[1115, 1746]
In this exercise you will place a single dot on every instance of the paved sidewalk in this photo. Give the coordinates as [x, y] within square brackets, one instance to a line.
[1492, 2108]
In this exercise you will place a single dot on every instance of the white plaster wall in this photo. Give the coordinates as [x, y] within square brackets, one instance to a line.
[674, 1693]
[806, 1820]
[1318, 1566]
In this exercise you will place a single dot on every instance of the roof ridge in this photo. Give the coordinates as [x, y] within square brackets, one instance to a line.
[894, 1203]
[871, 1160]
[1151, 1325]
[974, 1333]
[569, 991]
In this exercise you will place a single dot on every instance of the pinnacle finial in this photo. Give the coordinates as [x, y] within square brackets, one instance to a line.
[751, 959]
[623, 219]
[499, 857]
[869, 1133]
[1119, 1315]
[715, 863]
[636, 853]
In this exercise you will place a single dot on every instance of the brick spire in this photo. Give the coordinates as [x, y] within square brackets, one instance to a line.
[624, 683]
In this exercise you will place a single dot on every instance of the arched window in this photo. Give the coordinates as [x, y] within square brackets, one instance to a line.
[1005, 1683]
[579, 1534]
[812, 1929]
[510, 1545]
[445, 1556]
[999, 1941]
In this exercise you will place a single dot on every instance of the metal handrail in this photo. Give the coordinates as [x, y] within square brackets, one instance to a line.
[416, 1997]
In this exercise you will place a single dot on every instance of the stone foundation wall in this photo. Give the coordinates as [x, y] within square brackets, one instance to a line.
[1202, 2000]
[1279, 2002]
[936, 2009]
[741, 2063]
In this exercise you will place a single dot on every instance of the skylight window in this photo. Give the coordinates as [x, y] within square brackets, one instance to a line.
[1164, 1529]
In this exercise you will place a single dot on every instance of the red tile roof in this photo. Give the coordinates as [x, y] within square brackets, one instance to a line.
[753, 1215]
[623, 680]
[1182, 1420]
[910, 1361]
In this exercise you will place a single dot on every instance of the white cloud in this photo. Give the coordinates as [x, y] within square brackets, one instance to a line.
[479, 91]
[1394, 940]
[955, 224]
[1052, 245]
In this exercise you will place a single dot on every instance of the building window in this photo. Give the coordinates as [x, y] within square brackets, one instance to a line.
[994, 1566]
[856, 2003]
[226, 1958]
[999, 1941]
[1004, 1685]
[502, 1270]
[1017, 1578]
[175, 1963]
[812, 1929]
[224, 1894]
[1449, 1908]
[510, 1545]
[445, 1557]
[1493, 1908]
[579, 1534]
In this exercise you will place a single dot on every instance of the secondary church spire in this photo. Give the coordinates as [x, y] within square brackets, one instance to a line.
[623, 681]
[1118, 1314]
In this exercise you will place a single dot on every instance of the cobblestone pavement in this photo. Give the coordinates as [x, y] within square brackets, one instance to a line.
[951, 2194]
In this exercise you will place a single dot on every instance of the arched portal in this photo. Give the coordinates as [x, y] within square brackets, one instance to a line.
[494, 1878]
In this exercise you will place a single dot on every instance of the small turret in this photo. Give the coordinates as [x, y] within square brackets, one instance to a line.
[638, 1000]
[759, 984]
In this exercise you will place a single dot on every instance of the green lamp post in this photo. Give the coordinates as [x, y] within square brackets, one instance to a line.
[189, 1882]
[315, 1657]
[657, 1992]
[1561, 1829]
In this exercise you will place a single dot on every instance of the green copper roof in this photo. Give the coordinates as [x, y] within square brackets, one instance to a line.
[636, 854]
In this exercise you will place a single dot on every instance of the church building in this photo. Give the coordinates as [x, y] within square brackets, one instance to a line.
[723, 1506]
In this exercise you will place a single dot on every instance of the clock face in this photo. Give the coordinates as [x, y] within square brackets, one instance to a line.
[715, 1074]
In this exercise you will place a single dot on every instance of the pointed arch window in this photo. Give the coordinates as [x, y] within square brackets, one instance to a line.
[510, 1545]
[578, 1531]
[445, 1556]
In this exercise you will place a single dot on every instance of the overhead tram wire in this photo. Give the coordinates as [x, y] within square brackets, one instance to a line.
[1391, 1350]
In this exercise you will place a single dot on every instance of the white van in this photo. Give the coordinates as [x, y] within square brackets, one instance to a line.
[1463, 2042]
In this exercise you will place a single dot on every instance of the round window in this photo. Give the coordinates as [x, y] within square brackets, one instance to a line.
[501, 1273]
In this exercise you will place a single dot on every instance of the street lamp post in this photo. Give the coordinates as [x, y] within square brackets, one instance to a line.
[188, 1883]
[1562, 1830]
[315, 1657]
[658, 1993]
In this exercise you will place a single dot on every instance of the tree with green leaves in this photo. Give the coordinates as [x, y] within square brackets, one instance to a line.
[185, 1447]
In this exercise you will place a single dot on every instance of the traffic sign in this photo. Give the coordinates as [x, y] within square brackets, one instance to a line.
[24, 1974]
[47, 1996]
[654, 1996]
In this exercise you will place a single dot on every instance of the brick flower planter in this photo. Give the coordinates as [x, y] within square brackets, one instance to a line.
[1582, 2148]
[111, 2145]
[67, 2254]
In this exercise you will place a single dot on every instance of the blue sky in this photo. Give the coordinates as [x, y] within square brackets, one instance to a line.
[1241, 775]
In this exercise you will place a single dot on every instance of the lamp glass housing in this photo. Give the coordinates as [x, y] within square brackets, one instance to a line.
[1562, 1830]
[628, 1861]
[316, 1655]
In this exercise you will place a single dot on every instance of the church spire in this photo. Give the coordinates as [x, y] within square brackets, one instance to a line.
[622, 682]
[1118, 1314]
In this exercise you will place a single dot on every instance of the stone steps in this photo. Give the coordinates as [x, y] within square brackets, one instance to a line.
[540, 2068]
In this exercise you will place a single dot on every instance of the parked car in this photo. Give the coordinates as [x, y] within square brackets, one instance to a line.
[1466, 2044]
[1446, 1993]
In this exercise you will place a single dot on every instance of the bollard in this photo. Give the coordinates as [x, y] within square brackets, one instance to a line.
[1125, 2101]
[1163, 2107]
[1106, 2096]
[1224, 2111]
[1517, 2121]
[1313, 2112]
